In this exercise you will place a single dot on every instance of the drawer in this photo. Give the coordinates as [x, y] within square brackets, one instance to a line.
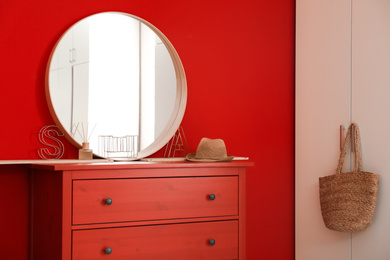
[177, 241]
[153, 199]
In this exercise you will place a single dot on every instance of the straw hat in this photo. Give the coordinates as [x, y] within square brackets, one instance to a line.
[210, 150]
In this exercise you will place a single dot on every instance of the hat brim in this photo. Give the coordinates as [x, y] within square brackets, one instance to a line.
[191, 157]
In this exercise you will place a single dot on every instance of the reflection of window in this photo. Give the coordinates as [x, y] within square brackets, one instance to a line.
[114, 75]
[122, 60]
[119, 76]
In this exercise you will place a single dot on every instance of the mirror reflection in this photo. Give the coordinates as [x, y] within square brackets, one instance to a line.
[112, 83]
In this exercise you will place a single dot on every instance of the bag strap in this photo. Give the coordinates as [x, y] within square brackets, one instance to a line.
[357, 142]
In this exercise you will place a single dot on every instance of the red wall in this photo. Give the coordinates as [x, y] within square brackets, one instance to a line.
[239, 61]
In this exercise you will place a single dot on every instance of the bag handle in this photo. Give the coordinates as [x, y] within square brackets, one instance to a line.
[358, 157]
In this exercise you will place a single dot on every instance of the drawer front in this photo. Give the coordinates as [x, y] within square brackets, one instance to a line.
[121, 200]
[177, 241]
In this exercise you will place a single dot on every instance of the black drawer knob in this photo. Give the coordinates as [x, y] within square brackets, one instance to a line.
[212, 197]
[108, 250]
[108, 201]
[212, 242]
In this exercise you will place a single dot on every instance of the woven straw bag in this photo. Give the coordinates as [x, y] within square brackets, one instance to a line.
[348, 199]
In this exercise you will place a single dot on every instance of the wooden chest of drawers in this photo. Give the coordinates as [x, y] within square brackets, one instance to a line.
[138, 210]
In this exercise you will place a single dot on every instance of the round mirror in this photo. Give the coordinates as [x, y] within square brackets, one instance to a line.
[116, 82]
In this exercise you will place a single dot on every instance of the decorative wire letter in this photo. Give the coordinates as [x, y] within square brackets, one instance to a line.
[178, 143]
[50, 132]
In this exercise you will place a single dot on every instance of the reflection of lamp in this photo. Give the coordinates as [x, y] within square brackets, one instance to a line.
[118, 147]
[177, 145]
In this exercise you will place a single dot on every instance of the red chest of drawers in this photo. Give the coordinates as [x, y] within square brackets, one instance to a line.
[138, 210]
